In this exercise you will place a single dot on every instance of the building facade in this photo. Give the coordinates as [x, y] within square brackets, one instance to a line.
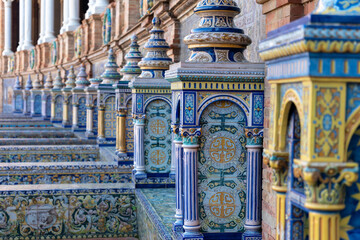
[171, 119]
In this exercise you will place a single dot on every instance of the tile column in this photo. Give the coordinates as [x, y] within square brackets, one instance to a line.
[139, 125]
[179, 184]
[28, 26]
[7, 48]
[191, 205]
[42, 21]
[74, 19]
[89, 119]
[254, 143]
[100, 6]
[49, 26]
[21, 25]
[65, 16]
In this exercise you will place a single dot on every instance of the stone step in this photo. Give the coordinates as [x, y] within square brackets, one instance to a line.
[49, 153]
[69, 211]
[36, 134]
[46, 141]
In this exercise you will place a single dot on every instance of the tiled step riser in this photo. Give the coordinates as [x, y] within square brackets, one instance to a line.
[36, 134]
[66, 177]
[62, 153]
[71, 214]
[45, 141]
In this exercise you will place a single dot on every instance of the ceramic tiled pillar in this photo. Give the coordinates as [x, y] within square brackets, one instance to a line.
[191, 208]
[139, 125]
[179, 181]
[253, 180]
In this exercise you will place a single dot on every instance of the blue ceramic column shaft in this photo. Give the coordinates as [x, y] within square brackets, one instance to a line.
[254, 145]
[179, 184]
[191, 208]
[139, 148]
[253, 200]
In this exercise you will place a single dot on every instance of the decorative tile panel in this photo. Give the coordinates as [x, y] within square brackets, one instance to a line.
[82, 112]
[157, 139]
[110, 117]
[129, 129]
[59, 107]
[19, 105]
[68, 215]
[37, 104]
[222, 168]
[48, 106]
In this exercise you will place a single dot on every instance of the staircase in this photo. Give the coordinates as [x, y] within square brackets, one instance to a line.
[55, 184]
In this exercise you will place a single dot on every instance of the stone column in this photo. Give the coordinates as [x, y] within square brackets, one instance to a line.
[254, 143]
[65, 16]
[7, 47]
[74, 19]
[100, 6]
[49, 26]
[42, 22]
[122, 133]
[191, 205]
[28, 26]
[21, 25]
[89, 12]
[179, 183]
[139, 125]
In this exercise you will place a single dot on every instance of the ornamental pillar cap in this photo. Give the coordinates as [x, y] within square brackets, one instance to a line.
[37, 82]
[29, 83]
[156, 61]
[70, 82]
[49, 81]
[133, 57]
[111, 75]
[58, 84]
[81, 81]
[17, 84]
[217, 39]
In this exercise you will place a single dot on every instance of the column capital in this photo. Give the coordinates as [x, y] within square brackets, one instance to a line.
[325, 183]
[254, 137]
[191, 136]
[177, 135]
